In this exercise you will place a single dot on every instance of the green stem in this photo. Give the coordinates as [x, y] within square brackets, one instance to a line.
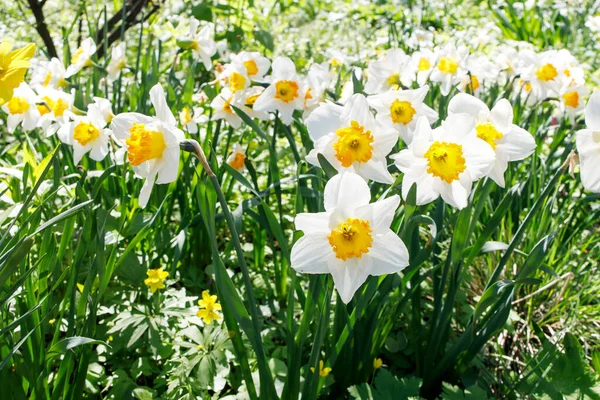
[268, 391]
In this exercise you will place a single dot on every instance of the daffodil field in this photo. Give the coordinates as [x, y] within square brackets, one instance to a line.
[295, 199]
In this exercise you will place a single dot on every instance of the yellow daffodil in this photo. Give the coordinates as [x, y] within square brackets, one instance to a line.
[208, 305]
[323, 372]
[377, 363]
[13, 65]
[156, 279]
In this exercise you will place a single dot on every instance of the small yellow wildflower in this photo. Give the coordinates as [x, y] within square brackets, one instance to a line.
[208, 305]
[377, 363]
[156, 279]
[13, 65]
[323, 372]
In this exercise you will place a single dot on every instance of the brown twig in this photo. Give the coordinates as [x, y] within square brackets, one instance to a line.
[41, 27]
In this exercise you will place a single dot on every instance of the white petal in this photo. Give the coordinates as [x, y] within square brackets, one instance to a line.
[347, 191]
[380, 214]
[146, 191]
[99, 150]
[389, 254]
[323, 120]
[592, 112]
[590, 173]
[456, 194]
[457, 126]
[169, 166]
[121, 124]
[465, 103]
[349, 275]
[163, 112]
[479, 156]
[266, 101]
[310, 223]
[284, 68]
[310, 254]
[502, 114]
[375, 170]
[516, 144]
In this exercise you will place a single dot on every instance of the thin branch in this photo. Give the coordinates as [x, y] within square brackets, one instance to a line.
[41, 27]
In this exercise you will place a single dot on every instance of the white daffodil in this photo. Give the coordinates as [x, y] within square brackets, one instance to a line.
[235, 78]
[352, 239]
[118, 58]
[87, 134]
[82, 57]
[237, 157]
[22, 109]
[390, 72]
[423, 62]
[402, 109]
[349, 137]
[222, 105]
[190, 119]
[495, 127]
[451, 67]
[444, 161]
[152, 143]
[480, 70]
[317, 81]
[571, 100]
[103, 107]
[201, 43]
[285, 93]
[255, 65]
[55, 109]
[48, 74]
[588, 145]
[246, 99]
[543, 71]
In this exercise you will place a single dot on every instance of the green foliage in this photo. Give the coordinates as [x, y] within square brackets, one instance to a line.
[489, 293]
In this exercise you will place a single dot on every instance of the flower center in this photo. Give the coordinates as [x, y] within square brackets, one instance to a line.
[185, 116]
[59, 106]
[250, 100]
[195, 45]
[474, 84]
[546, 73]
[237, 81]
[48, 79]
[18, 105]
[571, 99]
[352, 238]
[85, 133]
[77, 55]
[286, 91]
[394, 80]
[447, 65]
[445, 160]
[354, 144]
[144, 144]
[488, 132]
[402, 112]
[307, 96]
[238, 161]
[251, 67]
[227, 106]
[424, 64]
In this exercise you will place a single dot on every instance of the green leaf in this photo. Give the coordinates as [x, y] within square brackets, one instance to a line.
[388, 387]
[202, 12]
[67, 344]
[327, 167]
[264, 38]
[455, 393]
